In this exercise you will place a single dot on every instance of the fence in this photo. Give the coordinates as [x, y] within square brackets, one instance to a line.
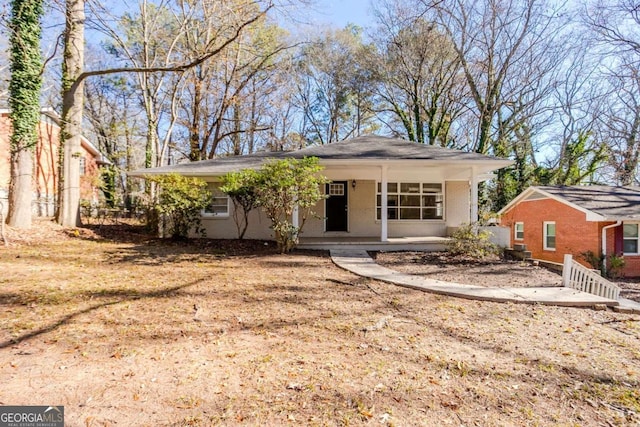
[577, 276]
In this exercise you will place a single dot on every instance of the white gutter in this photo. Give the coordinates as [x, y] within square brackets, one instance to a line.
[604, 244]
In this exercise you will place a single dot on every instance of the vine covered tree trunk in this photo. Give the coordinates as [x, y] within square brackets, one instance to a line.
[24, 102]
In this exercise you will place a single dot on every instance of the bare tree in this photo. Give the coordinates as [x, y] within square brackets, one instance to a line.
[504, 47]
[334, 87]
[73, 79]
[117, 124]
[219, 109]
[614, 25]
[421, 83]
[619, 123]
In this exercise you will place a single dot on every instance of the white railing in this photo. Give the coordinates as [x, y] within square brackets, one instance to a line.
[577, 276]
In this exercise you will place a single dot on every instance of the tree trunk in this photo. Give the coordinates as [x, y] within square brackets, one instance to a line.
[72, 106]
[20, 189]
[24, 91]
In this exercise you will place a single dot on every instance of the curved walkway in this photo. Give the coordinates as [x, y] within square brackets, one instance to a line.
[359, 262]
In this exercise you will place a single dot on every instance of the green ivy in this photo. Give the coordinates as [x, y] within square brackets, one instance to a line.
[26, 72]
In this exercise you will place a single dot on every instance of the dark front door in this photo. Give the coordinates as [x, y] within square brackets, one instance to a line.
[337, 206]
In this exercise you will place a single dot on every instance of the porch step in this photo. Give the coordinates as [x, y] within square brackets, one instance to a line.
[418, 244]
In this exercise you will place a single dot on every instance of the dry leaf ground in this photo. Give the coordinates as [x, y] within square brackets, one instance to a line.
[126, 330]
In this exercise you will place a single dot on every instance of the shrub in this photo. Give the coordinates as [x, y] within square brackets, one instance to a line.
[241, 188]
[282, 185]
[180, 202]
[591, 258]
[616, 264]
[470, 240]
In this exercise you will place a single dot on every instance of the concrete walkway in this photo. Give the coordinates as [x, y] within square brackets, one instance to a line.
[360, 263]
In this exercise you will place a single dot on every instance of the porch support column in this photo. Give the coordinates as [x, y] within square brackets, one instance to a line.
[295, 215]
[384, 233]
[473, 183]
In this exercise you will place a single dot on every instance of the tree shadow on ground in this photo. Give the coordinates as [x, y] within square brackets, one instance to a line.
[122, 297]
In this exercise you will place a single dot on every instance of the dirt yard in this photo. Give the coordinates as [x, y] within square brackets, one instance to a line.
[125, 330]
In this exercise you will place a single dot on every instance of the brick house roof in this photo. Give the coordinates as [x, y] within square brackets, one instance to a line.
[606, 202]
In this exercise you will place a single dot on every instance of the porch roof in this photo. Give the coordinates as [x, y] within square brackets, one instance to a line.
[364, 150]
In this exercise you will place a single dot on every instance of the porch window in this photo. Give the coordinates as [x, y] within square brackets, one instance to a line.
[411, 201]
[219, 206]
[549, 238]
[519, 231]
[630, 239]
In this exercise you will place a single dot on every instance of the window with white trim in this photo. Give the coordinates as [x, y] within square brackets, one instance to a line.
[219, 206]
[549, 238]
[518, 231]
[630, 239]
[411, 201]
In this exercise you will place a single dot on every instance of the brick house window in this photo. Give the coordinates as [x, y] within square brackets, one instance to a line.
[518, 229]
[549, 238]
[630, 239]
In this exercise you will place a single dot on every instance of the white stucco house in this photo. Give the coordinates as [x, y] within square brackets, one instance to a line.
[381, 189]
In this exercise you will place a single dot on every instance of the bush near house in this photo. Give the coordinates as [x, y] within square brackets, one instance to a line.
[472, 241]
[180, 203]
[278, 187]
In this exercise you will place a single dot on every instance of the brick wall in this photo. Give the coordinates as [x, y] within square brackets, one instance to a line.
[45, 165]
[574, 234]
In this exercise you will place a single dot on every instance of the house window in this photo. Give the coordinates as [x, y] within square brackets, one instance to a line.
[336, 189]
[549, 241]
[219, 206]
[83, 166]
[411, 201]
[519, 231]
[630, 239]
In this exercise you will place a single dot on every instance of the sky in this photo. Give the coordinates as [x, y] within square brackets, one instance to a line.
[339, 13]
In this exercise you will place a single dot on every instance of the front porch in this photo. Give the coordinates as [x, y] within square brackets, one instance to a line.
[423, 244]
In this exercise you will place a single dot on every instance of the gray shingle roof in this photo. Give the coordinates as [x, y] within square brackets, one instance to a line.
[609, 201]
[372, 147]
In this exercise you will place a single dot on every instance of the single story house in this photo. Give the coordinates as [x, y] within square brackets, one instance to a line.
[556, 220]
[380, 188]
[45, 163]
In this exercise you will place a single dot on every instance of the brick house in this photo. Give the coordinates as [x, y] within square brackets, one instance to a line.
[45, 163]
[553, 221]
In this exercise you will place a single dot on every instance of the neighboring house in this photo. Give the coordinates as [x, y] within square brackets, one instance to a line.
[380, 188]
[45, 164]
[553, 221]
